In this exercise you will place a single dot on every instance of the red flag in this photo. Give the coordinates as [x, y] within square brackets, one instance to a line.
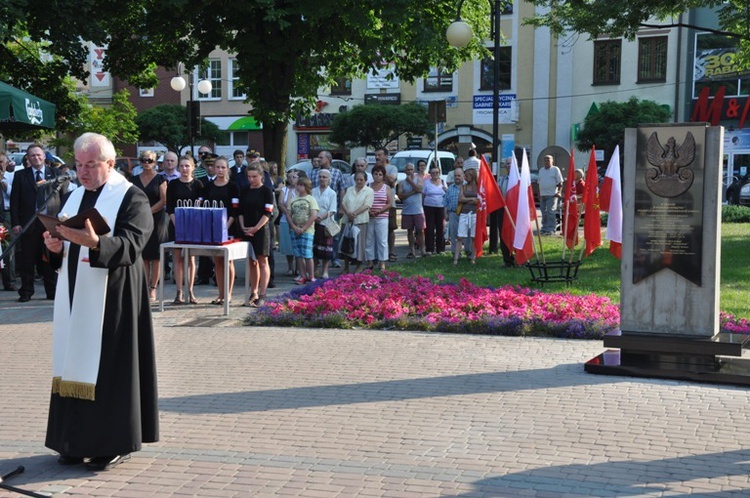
[526, 211]
[592, 222]
[571, 215]
[511, 201]
[610, 197]
[490, 199]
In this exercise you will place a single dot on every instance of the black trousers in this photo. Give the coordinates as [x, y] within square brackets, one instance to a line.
[434, 237]
[31, 255]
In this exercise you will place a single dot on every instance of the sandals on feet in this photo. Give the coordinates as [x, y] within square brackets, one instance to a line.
[191, 298]
[218, 301]
[178, 298]
[392, 258]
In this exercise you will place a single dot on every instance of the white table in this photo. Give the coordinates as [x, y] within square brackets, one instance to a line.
[230, 252]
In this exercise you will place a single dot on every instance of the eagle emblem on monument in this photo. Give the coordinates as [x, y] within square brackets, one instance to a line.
[669, 175]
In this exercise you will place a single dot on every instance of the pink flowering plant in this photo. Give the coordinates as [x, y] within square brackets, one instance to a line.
[391, 301]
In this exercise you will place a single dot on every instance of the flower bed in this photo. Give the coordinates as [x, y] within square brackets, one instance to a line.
[417, 303]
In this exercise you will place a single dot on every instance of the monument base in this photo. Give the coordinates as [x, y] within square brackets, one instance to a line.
[683, 358]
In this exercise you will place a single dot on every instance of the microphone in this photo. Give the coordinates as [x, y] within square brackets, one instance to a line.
[68, 175]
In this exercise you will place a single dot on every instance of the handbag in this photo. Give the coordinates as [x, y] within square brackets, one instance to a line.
[459, 207]
[350, 238]
[348, 241]
[331, 226]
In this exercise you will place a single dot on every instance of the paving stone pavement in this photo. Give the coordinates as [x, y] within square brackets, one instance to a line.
[327, 413]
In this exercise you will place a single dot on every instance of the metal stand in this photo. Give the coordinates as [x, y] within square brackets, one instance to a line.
[13, 489]
[558, 271]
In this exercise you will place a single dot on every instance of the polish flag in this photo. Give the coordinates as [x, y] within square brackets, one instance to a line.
[526, 212]
[592, 222]
[610, 197]
[511, 202]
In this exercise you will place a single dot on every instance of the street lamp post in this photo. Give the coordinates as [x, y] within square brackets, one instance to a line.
[459, 34]
[178, 84]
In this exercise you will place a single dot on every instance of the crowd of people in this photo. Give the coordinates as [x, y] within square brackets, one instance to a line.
[316, 220]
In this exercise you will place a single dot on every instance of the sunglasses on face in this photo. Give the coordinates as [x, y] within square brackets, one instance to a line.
[147, 161]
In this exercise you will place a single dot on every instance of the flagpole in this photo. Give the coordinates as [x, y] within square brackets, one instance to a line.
[539, 236]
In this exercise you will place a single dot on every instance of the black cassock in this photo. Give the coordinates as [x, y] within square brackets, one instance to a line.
[125, 412]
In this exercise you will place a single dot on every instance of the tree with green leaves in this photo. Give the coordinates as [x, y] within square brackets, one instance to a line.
[167, 124]
[285, 50]
[116, 121]
[606, 128]
[375, 125]
[626, 18]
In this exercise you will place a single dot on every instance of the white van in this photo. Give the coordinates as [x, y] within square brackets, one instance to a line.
[412, 156]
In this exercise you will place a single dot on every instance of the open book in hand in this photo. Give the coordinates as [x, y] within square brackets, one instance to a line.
[78, 221]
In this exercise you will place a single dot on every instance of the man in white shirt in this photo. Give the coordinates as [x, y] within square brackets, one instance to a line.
[169, 166]
[550, 188]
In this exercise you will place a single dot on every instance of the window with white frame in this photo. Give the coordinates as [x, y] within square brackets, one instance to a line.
[211, 73]
[438, 80]
[145, 92]
[234, 91]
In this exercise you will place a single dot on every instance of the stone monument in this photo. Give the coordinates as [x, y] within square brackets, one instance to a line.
[671, 260]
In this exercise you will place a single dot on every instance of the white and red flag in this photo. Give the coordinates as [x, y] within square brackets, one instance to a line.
[525, 214]
[511, 203]
[610, 199]
[490, 200]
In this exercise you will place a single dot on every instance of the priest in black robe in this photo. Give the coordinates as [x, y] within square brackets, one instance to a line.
[104, 395]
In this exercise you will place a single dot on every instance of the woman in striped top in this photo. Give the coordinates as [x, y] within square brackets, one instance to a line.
[377, 226]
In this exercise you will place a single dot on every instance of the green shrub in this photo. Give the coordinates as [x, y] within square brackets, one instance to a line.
[735, 214]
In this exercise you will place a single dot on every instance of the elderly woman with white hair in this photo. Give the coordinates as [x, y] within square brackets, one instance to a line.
[327, 206]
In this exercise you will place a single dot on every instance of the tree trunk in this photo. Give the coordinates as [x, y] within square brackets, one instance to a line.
[274, 143]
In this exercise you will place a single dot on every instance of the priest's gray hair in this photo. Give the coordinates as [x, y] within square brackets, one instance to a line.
[89, 140]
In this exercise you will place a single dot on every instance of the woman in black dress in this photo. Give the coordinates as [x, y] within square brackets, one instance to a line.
[154, 186]
[184, 188]
[256, 210]
[227, 193]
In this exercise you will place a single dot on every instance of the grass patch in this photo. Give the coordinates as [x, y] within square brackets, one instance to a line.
[599, 273]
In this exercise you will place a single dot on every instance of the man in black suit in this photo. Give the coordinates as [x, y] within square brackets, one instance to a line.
[237, 173]
[28, 194]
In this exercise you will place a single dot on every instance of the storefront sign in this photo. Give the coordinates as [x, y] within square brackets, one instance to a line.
[319, 121]
[482, 109]
[383, 98]
[714, 109]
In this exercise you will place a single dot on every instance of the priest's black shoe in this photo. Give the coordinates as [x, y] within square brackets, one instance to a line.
[69, 460]
[106, 462]
[24, 299]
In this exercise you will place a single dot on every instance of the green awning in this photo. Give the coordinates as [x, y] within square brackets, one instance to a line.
[22, 111]
[245, 123]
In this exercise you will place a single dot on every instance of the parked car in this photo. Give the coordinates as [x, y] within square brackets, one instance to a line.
[744, 197]
[734, 193]
[125, 164]
[17, 158]
[306, 166]
[400, 159]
